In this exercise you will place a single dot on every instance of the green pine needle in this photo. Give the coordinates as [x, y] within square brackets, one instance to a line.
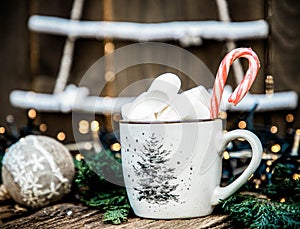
[268, 212]
[95, 191]
[283, 184]
[116, 216]
[253, 212]
[245, 210]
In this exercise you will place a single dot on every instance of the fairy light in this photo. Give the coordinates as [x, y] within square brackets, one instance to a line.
[109, 47]
[274, 129]
[275, 148]
[109, 76]
[282, 200]
[118, 155]
[296, 176]
[79, 157]
[242, 125]
[264, 155]
[222, 115]
[268, 169]
[116, 117]
[31, 114]
[43, 127]
[289, 118]
[257, 183]
[95, 126]
[83, 126]
[88, 146]
[10, 118]
[2, 130]
[269, 163]
[226, 155]
[115, 147]
[61, 136]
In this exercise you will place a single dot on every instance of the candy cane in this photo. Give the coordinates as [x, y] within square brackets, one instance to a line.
[222, 75]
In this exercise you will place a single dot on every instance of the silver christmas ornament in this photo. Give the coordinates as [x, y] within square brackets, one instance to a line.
[37, 171]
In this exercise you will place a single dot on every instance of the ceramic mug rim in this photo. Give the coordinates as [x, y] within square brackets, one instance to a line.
[168, 122]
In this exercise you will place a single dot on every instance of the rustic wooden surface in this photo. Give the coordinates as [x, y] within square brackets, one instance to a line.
[70, 215]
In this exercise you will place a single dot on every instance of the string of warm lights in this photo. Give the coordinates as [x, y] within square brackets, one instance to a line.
[236, 154]
[272, 152]
[85, 127]
[275, 148]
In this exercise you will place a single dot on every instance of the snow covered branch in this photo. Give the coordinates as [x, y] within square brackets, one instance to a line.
[78, 99]
[187, 32]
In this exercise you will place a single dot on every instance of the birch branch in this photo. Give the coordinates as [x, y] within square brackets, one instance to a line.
[188, 32]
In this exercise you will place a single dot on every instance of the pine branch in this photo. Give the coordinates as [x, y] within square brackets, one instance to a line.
[116, 216]
[284, 184]
[252, 212]
[95, 191]
[259, 212]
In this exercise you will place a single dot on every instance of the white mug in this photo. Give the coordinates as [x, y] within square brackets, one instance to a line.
[173, 169]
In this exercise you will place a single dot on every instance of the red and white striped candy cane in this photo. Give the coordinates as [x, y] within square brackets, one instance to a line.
[222, 75]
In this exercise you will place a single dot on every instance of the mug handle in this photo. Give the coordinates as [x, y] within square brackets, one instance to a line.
[221, 193]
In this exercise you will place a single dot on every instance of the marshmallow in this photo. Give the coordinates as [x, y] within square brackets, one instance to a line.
[162, 102]
[145, 110]
[126, 108]
[191, 104]
[167, 83]
[199, 99]
[198, 94]
[146, 106]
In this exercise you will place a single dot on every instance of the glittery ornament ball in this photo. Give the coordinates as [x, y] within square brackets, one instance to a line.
[37, 171]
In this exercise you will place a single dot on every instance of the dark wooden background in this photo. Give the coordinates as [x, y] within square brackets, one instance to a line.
[31, 61]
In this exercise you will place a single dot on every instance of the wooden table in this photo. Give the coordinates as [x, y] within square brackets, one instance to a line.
[71, 215]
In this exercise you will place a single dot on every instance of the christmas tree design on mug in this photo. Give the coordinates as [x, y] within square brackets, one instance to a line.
[154, 174]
